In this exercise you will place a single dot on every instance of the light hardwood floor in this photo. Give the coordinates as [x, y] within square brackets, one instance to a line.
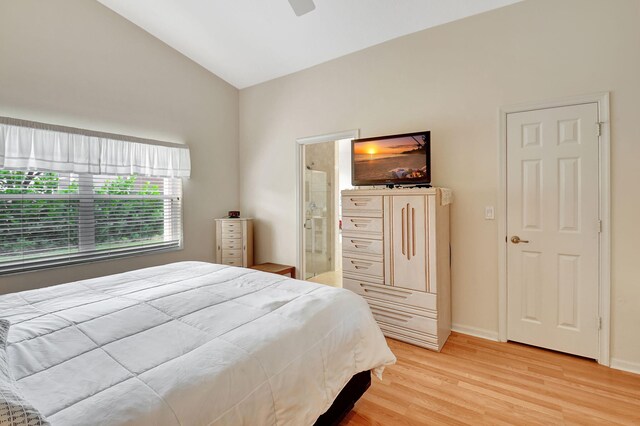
[475, 382]
[331, 278]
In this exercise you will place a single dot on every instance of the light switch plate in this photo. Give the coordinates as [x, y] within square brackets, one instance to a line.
[489, 213]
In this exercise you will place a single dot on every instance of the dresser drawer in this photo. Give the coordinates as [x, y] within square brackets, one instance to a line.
[231, 243]
[227, 225]
[362, 224]
[424, 340]
[362, 266]
[363, 203]
[389, 293]
[362, 245]
[232, 232]
[419, 323]
[232, 261]
[227, 253]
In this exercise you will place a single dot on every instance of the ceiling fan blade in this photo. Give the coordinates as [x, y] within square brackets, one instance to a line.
[300, 7]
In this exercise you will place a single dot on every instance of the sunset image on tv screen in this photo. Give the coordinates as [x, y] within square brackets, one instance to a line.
[396, 159]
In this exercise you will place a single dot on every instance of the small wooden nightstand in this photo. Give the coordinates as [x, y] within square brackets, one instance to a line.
[276, 268]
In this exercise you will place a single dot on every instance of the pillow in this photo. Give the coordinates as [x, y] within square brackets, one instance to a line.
[14, 409]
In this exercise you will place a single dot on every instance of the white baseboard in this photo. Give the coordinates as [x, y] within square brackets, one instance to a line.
[620, 364]
[476, 332]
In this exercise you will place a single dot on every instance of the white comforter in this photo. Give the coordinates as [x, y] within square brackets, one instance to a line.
[189, 343]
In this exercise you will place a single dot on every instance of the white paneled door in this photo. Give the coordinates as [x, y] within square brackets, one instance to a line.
[553, 226]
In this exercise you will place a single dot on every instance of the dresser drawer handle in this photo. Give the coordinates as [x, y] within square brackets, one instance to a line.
[391, 312]
[389, 316]
[359, 199]
[360, 220]
[360, 242]
[392, 315]
[401, 296]
[358, 263]
[390, 290]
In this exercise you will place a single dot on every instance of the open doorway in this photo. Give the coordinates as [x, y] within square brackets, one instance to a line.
[324, 170]
[320, 211]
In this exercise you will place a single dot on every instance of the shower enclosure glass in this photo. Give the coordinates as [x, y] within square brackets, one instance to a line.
[320, 208]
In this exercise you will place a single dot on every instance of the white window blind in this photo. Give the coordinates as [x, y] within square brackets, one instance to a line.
[51, 219]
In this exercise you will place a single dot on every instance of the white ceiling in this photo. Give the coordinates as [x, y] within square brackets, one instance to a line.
[247, 42]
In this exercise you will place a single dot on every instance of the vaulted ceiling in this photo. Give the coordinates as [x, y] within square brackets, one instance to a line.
[247, 42]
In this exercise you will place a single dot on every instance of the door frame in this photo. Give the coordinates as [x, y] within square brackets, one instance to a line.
[604, 159]
[300, 167]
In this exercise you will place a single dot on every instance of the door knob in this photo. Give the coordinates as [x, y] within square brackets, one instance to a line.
[516, 240]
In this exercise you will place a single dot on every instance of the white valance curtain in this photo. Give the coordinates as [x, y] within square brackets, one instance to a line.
[26, 145]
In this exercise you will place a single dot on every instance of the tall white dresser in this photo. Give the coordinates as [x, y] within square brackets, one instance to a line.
[234, 242]
[396, 255]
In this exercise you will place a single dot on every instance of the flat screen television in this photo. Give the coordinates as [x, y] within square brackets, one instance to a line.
[392, 160]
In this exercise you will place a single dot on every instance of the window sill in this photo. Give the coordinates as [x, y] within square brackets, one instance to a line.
[90, 258]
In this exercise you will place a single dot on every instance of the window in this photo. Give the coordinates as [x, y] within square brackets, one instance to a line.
[71, 195]
[51, 219]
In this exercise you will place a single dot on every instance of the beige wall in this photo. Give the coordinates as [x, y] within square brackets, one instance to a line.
[452, 80]
[76, 63]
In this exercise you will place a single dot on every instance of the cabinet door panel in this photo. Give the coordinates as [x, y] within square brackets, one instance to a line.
[408, 227]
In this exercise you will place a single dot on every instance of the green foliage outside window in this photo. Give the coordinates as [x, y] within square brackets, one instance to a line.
[126, 220]
[35, 224]
[43, 225]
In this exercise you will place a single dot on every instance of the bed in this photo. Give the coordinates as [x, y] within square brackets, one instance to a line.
[191, 343]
